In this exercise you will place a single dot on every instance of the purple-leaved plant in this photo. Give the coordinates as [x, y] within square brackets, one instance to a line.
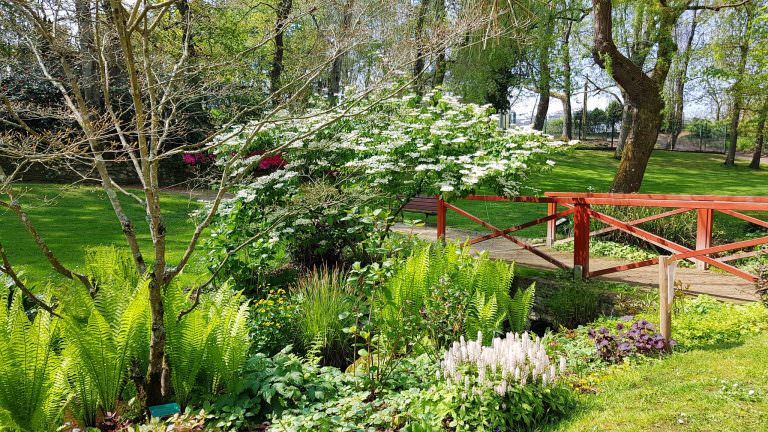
[640, 339]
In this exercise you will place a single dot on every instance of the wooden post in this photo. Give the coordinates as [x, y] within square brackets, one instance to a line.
[440, 218]
[551, 224]
[666, 294]
[581, 238]
[703, 233]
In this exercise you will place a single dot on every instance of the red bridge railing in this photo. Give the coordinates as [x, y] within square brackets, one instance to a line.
[580, 206]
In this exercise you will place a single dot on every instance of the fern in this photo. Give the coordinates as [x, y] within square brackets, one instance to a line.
[28, 365]
[485, 318]
[104, 350]
[520, 308]
[208, 347]
[186, 340]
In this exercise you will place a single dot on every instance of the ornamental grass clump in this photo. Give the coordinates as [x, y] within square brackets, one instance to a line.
[515, 359]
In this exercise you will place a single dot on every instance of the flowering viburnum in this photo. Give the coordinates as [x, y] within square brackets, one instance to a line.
[515, 359]
[434, 144]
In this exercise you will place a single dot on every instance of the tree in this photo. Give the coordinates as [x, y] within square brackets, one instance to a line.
[643, 91]
[680, 79]
[150, 43]
[757, 154]
[282, 13]
[737, 90]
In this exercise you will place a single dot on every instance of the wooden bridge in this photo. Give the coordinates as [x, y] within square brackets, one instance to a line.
[581, 206]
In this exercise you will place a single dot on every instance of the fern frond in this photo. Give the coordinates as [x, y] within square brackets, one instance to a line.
[520, 308]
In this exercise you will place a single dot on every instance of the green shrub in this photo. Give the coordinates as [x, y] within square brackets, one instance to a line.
[572, 305]
[273, 320]
[704, 321]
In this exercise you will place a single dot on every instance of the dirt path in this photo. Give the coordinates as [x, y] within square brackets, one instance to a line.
[720, 285]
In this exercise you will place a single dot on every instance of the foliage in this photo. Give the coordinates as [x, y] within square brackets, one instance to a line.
[344, 183]
[414, 399]
[324, 305]
[572, 305]
[29, 379]
[514, 372]
[208, 346]
[704, 321]
[273, 320]
[89, 360]
[640, 339]
[270, 386]
[441, 292]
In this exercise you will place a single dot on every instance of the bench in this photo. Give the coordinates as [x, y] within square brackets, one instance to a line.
[426, 205]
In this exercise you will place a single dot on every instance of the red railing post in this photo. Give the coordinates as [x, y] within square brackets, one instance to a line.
[581, 239]
[551, 224]
[703, 233]
[440, 218]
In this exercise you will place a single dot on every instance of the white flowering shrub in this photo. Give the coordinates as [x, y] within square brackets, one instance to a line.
[345, 172]
[515, 359]
[435, 144]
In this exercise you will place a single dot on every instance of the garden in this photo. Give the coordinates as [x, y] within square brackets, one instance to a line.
[307, 311]
[206, 225]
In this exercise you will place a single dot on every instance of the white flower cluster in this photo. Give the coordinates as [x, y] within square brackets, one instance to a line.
[515, 359]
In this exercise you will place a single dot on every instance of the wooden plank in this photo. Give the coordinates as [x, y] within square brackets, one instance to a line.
[735, 257]
[440, 218]
[666, 295]
[522, 226]
[624, 267]
[744, 217]
[581, 238]
[721, 248]
[703, 233]
[551, 227]
[515, 240]
[661, 197]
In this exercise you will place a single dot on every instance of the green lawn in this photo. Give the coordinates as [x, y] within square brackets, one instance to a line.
[592, 171]
[701, 390]
[71, 219]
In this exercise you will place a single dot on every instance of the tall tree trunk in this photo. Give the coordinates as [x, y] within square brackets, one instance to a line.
[643, 91]
[567, 84]
[334, 81]
[440, 62]
[626, 124]
[543, 87]
[757, 154]
[677, 120]
[584, 112]
[737, 92]
[84, 9]
[419, 61]
[281, 21]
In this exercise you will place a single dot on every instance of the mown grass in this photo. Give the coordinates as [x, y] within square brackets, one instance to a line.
[701, 390]
[73, 218]
[592, 171]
